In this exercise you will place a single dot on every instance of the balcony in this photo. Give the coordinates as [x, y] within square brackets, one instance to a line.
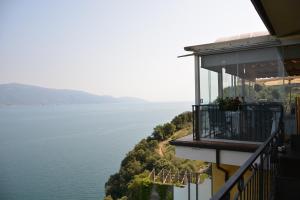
[234, 134]
[246, 122]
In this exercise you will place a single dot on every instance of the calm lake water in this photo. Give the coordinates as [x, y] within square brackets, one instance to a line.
[68, 152]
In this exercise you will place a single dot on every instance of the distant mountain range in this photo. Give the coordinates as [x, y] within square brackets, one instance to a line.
[20, 94]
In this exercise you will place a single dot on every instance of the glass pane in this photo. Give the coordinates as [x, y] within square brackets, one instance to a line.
[208, 85]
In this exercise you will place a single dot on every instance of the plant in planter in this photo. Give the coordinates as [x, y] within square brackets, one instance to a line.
[229, 103]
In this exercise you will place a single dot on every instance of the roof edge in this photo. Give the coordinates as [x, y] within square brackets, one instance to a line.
[263, 16]
[234, 45]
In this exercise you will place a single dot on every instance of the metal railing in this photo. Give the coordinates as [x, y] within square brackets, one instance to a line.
[255, 180]
[250, 122]
[169, 177]
[181, 179]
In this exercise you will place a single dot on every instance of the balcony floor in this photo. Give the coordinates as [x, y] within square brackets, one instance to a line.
[221, 144]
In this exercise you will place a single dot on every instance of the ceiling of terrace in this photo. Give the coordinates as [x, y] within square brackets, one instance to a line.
[280, 17]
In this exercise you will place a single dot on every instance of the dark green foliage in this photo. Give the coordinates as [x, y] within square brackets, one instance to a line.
[162, 132]
[164, 164]
[110, 186]
[158, 133]
[181, 121]
[257, 88]
[131, 178]
[164, 192]
[270, 93]
[260, 92]
[168, 129]
[140, 187]
[141, 158]
[229, 103]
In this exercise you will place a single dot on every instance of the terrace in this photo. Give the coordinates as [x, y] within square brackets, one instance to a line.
[244, 89]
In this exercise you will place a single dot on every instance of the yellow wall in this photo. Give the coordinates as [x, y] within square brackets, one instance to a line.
[218, 177]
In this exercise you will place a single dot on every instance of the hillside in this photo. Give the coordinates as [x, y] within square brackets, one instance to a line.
[131, 182]
[20, 94]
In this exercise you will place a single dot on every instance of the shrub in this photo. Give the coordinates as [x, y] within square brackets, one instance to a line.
[182, 120]
[163, 132]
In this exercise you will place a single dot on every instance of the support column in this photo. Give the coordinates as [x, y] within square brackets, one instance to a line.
[232, 87]
[197, 81]
[243, 88]
[220, 84]
[209, 86]
[197, 114]
[235, 87]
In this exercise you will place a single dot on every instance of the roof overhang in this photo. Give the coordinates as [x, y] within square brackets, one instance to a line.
[233, 45]
[259, 42]
[258, 53]
[282, 17]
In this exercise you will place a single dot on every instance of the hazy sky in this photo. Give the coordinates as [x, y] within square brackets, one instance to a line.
[119, 48]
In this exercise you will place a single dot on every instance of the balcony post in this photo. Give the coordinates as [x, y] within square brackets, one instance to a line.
[197, 114]
[261, 179]
[220, 84]
[197, 80]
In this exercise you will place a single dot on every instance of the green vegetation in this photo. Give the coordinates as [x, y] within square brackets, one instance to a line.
[162, 132]
[277, 93]
[229, 103]
[132, 180]
[268, 93]
[141, 186]
[181, 121]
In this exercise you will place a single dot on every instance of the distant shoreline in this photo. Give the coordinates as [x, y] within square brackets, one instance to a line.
[20, 94]
[81, 104]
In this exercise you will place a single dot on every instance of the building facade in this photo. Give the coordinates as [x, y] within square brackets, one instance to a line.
[245, 107]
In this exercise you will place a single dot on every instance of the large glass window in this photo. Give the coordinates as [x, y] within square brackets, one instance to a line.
[208, 86]
[252, 75]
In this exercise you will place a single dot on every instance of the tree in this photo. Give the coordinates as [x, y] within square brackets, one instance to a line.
[140, 186]
[112, 186]
[182, 120]
[144, 157]
[158, 133]
[163, 132]
[168, 130]
[164, 164]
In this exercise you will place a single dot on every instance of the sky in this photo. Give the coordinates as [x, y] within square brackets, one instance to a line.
[114, 47]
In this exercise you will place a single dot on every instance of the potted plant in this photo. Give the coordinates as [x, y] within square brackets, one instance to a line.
[229, 103]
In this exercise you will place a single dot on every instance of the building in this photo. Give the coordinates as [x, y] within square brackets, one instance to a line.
[245, 112]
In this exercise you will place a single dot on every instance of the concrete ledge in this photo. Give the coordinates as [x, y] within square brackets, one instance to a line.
[220, 144]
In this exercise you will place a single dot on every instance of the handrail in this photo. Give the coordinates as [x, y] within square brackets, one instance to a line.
[241, 171]
[233, 180]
